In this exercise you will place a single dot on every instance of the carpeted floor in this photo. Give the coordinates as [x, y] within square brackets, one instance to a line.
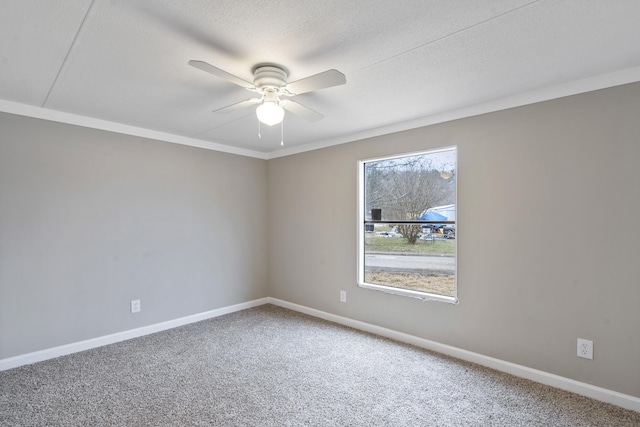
[269, 366]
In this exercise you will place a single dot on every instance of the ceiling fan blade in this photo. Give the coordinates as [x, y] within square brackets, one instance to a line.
[221, 74]
[237, 106]
[301, 110]
[322, 80]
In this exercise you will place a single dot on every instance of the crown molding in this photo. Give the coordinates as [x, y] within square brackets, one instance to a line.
[629, 75]
[90, 122]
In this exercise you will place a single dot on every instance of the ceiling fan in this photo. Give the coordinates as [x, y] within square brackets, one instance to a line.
[270, 82]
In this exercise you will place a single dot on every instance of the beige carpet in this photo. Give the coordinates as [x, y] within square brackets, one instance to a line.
[269, 366]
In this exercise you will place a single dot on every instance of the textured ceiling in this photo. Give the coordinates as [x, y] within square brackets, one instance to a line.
[122, 65]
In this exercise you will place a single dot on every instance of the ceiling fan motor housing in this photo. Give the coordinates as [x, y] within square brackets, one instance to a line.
[269, 76]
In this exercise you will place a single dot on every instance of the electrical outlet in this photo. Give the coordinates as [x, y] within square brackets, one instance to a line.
[585, 349]
[135, 306]
[343, 296]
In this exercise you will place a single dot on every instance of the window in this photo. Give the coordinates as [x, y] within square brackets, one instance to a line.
[407, 224]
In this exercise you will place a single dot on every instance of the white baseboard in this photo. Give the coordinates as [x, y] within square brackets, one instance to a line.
[50, 353]
[588, 390]
[598, 393]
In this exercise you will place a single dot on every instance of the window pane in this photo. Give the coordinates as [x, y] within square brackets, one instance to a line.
[418, 256]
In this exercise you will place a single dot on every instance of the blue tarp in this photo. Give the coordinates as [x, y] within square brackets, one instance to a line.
[432, 216]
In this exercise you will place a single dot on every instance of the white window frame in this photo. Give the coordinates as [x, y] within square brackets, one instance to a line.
[425, 296]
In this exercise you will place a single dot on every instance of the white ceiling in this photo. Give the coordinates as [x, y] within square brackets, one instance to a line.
[122, 65]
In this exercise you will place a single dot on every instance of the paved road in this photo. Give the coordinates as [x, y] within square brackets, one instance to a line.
[411, 262]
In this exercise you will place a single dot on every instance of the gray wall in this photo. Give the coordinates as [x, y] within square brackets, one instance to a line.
[90, 220]
[548, 243]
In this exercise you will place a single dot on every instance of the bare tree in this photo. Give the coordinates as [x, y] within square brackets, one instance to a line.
[404, 188]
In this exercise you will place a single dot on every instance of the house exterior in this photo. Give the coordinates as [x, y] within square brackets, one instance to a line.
[447, 210]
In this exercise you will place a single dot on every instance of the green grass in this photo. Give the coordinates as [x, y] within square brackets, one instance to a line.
[375, 243]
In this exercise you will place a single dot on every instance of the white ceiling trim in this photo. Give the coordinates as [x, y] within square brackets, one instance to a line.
[90, 122]
[590, 84]
[617, 78]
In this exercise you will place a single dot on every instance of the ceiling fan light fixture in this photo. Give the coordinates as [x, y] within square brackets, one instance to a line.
[270, 81]
[270, 113]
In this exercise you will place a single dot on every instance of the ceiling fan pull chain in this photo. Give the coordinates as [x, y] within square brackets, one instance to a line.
[259, 135]
[282, 133]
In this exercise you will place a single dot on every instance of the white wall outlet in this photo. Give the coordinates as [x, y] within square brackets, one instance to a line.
[343, 296]
[135, 305]
[585, 349]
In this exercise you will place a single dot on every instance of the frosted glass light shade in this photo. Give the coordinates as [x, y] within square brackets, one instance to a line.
[270, 113]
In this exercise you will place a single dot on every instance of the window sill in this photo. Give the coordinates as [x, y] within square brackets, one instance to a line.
[408, 293]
